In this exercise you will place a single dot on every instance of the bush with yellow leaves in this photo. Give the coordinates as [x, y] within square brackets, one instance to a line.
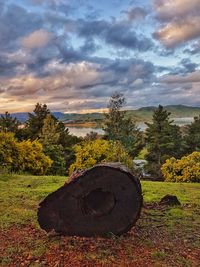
[22, 157]
[32, 159]
[89, 153]
[186, 169]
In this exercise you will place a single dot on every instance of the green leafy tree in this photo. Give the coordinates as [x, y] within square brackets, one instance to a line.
[8, 123]
[89, 153]
[119, 127]
[192, 137]
[163, 141]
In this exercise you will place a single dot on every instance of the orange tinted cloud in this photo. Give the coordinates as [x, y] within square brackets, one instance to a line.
[167, 10]
[175, 33]
[193, 77]
[37, 39]
[181, 21]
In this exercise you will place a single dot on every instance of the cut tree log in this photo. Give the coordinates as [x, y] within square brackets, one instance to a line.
[104, 199]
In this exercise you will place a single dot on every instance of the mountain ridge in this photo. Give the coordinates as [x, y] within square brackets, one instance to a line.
[140, 114]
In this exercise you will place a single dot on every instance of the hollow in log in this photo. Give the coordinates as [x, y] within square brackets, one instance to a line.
[104, 199]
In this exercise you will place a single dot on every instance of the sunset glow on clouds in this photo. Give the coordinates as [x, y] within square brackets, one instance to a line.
[72, 55]
[37, 39]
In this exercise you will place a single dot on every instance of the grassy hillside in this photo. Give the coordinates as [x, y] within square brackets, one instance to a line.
[139, 115]
[163, 236]
[177, 111]
[23, 116]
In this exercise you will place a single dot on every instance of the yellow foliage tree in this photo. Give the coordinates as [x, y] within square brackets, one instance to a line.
[32, 159]
[8, 150]
[25, 156]
[186, 169]
[98, 151]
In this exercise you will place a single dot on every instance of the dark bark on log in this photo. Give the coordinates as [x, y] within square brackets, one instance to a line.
[104, 199]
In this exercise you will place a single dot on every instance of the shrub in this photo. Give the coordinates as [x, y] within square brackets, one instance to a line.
[8, 151]
[186, 169]
[32, 159]
[90, 153]
[25, 156]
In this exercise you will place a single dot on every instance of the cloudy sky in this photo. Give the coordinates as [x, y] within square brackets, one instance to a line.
[72, 55]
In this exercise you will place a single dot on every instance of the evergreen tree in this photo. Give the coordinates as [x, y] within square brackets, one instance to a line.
[115, 117]
[8, 123]
[49, 137]
[49, 132]
[192, 137]
[131, 137]
[57, 142]
[163, 141]
[35, 121]
[67, 141]
[56, 154]
[119, 127]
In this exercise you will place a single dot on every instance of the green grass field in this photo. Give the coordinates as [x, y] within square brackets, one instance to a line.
[167, 236]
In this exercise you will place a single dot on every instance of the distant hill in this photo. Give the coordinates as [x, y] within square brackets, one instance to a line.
[82, 117]
[23, 116]
[177, 111]
[59, 115]
[139, 115]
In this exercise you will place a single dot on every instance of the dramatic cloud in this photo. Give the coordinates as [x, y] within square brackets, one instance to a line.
[135, 13]
[188, 65]
[84, 79]
[173, 9]
[193, 77]
[194, 49]
[62, 76]
[1, 6]
[16, 22]
[181, 21]
[37, 39]
[118, 34]
[72, 55]
[180, 89]
[176, 33]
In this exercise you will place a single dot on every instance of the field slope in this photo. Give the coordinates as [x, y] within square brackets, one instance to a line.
[143, 114]
[163, 236]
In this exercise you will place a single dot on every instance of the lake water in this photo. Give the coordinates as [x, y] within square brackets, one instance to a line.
[82, 131]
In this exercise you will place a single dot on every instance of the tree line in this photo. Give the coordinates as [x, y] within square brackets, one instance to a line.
[162, 139]
[41, 128]
[44, 145]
